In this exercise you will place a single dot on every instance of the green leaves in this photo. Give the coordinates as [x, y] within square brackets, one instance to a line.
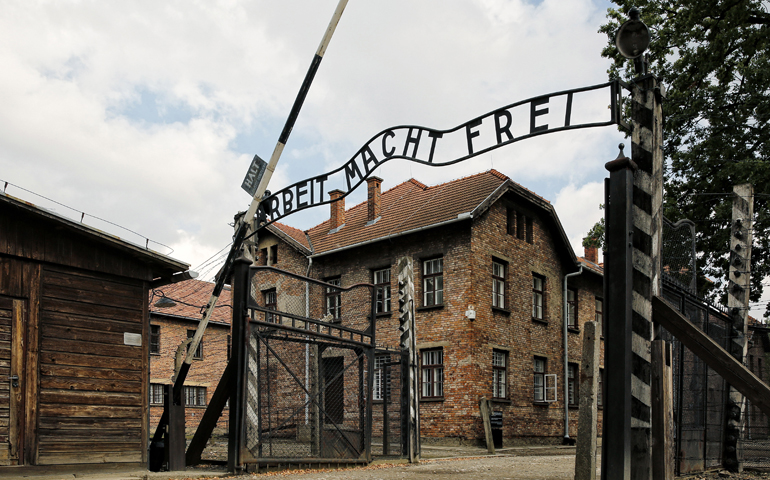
[713, 60]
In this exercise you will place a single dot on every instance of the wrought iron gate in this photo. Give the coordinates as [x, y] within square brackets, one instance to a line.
[310, 370]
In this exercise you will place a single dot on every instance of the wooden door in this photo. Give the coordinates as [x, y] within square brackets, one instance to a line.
[12, 315]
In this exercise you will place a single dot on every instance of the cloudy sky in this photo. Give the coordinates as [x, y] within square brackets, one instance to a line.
[148, 113]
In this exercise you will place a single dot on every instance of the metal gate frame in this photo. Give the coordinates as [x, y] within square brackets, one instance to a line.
[290, 327]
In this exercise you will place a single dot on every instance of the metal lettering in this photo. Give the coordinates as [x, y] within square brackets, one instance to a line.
[301, 192]
[385, 152]
[369, 158]
[503, 129]
[534, 113]
[435, 136]
[414, 140]
[470, 134]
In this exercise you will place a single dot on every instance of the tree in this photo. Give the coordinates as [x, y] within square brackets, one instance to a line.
[713, 60]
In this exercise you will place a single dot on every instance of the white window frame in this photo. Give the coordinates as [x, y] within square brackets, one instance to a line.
[381, 281]
[433, 282]
[499, 374]
[498, 283]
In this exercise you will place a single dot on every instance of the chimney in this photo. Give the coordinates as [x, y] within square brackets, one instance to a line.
[337, 218]
[592, 254]
[373, 203]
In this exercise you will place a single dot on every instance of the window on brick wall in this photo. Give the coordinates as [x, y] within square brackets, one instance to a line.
[381, 378]
[432, 373]
[538, 297]
[572, 384]
[263, 256]
[521, 233]
[498, 283]
[198, 355]
[155, 339]
[599, 314]
[382, 283]
[156, 394]
[433, 282]
[530, 233]
[270, 298]
[510, 224]
[334, 299]
[273, 255]
[544, 383]
[572, 308]
[195, 396]
[499, 373]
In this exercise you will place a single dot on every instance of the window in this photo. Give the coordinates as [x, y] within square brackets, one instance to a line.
[499, 364]
[538, 293]
[572, 384]
[520, 233]
[273, 259]
[572, 308]
[155, 339]
[381, 378]
[195, 396]
[271, 303]
[263, 256]
[198, 355]
[433, 282]
[433, 373]
[156, 394]
[529, 230]
[510, 221]
[498, 284]
[544, 384]
[333, 299]
[382, 283]
[599, 314]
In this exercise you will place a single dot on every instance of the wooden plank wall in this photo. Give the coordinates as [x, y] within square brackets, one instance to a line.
[6, 309]
[92, 398]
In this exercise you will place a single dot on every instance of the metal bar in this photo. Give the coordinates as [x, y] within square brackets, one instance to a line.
[238, 356]
[336, 338]
[616, 441]
[210, 417]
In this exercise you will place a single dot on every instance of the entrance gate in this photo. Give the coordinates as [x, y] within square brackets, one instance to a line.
[311, 367]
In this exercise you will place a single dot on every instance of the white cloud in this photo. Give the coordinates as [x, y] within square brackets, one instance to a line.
[578, 210]
[223, 75]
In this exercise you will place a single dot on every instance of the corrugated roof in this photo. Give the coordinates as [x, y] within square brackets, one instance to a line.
[408, 206]
[190, 296]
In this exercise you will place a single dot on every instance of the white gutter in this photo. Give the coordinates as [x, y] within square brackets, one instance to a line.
[460, 217]
[566, 355]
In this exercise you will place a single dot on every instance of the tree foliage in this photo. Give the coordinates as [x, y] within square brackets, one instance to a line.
[713, 60]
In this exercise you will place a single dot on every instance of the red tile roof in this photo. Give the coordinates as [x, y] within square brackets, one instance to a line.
[409, 206]
[190, 296]
[293, 234]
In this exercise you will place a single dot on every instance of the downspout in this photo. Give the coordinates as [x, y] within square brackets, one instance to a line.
[566, 355]
[307, 345]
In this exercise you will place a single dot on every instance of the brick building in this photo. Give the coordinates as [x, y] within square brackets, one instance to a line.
[490, 259]
[170, 327]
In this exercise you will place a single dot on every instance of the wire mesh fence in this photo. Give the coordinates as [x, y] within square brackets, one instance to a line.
[316, 390]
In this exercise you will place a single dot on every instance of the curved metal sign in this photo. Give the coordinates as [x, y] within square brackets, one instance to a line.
[554, 112]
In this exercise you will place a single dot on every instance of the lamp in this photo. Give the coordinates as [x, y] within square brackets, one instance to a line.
[632, 39]
[164, 302]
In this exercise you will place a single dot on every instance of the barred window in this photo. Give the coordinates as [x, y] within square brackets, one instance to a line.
[499, 373]
[382, 283]
[572, 310]
[433, 373]
[334, 299]
[538, 294]
[156, 394]
[155, 339]
[198, 355]
[381, 378]
[498, 284]
[599, 307]
[572, 384]
[271, 303]
[195, 396]
[433, 282]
